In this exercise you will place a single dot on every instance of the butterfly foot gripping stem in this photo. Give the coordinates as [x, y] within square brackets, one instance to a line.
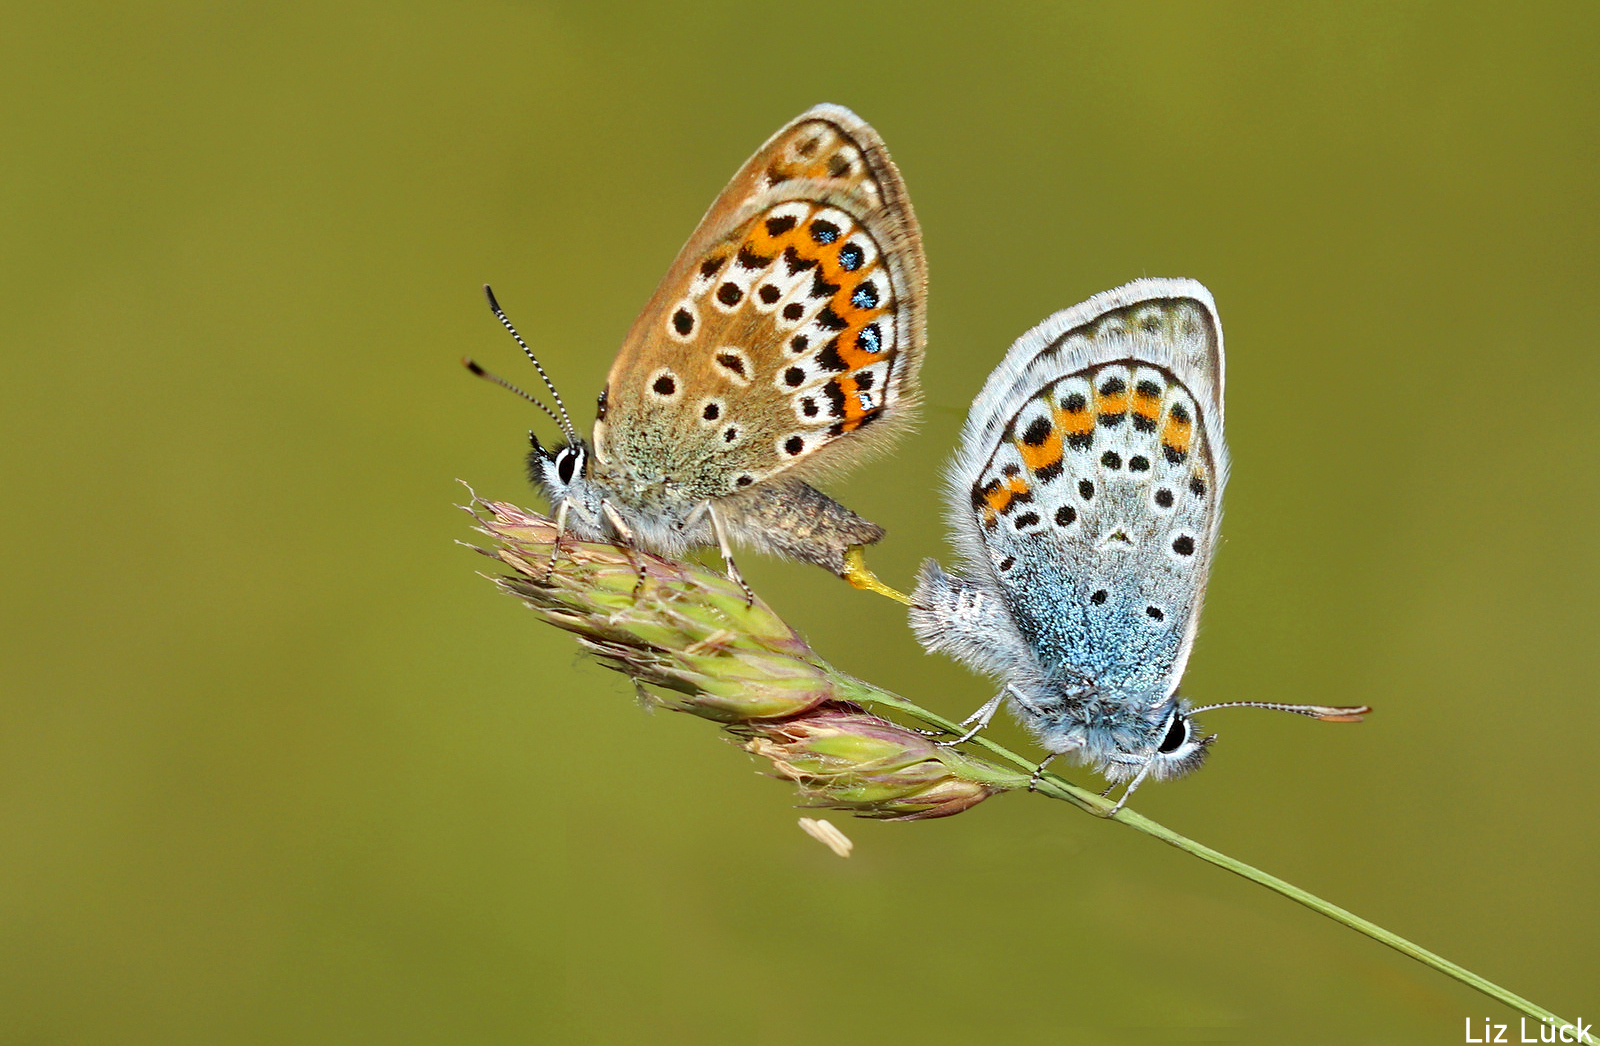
[976, 722]
[555, 543]
[721, 533]
[1038, 772]
[861, 576]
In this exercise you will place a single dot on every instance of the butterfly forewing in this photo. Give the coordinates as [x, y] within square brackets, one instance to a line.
[793, 318]
[1096, 505]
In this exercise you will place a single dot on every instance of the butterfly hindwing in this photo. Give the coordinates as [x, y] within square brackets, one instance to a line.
[792, 319]
[1091, 494]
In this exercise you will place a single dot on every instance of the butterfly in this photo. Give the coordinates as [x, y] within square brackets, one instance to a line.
[1086, 500]
[783, 343]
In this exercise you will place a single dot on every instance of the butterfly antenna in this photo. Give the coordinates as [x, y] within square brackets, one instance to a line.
[565, 421]
[504, 384]
[1326, 713]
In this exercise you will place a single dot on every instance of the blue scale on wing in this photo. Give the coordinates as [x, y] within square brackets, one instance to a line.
[1096, 587]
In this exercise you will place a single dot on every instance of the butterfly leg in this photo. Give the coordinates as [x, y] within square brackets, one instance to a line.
[565, 506]
[727, 553]
[1024, 701]
[861, 576]
[1038, 772]
[977, 720]
[555, 546]
[1135, 783]
[626, 534]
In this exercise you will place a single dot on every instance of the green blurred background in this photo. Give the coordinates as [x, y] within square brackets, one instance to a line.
[277, 766]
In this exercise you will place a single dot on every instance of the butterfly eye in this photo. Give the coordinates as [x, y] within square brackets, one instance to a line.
[567, 461]
[1177, 734]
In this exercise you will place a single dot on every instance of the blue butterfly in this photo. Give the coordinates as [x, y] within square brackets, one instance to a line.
[1086, 499]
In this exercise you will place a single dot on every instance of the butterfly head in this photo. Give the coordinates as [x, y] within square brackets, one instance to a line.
[561, 472]
[1168, 744]
[1172, 744]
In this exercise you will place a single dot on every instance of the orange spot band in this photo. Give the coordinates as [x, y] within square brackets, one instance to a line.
[1075, 422]
[1045, 455]
[1177, 434]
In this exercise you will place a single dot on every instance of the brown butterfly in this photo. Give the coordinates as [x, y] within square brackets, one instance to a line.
[783, 343]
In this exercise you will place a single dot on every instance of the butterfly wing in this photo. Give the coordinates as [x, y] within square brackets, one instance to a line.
[1089, 488]
[791, 321]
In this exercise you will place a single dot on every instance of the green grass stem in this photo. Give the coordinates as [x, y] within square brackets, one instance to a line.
[690, 633]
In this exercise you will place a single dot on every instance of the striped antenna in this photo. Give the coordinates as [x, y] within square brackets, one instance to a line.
[1326, 713]
[504, 384]
[565, 420]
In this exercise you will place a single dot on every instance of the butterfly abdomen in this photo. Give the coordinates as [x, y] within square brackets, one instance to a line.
[796, 520]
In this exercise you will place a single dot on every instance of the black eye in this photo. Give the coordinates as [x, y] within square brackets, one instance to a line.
[1177, 734]
[566, 464]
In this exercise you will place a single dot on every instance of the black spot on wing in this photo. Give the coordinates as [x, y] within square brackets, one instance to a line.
[830, 359]
[821, 288]
[835, 396]
[795, 263]
[751, 260]
[830, 320]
